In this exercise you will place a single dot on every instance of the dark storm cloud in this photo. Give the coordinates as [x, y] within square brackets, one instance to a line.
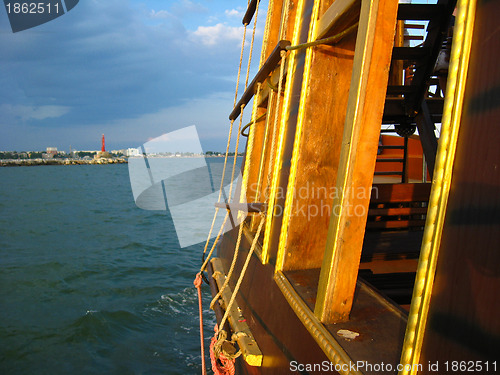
[112, 62]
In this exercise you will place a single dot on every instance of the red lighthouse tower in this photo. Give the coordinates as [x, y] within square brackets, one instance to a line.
[103, 148]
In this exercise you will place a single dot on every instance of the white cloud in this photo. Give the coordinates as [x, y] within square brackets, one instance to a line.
[217, 34]
[161, 14]
[233, 13]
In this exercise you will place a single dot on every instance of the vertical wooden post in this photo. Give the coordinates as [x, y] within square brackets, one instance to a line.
[357, 160]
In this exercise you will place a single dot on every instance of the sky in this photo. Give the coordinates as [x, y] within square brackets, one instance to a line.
[130, 69]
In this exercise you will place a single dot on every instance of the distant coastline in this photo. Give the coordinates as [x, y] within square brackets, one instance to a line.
[95, 161]
[35, 162]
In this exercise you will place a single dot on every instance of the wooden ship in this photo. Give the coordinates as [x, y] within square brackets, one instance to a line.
[364, 251]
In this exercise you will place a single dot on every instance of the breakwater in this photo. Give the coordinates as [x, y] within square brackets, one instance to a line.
[33, 162]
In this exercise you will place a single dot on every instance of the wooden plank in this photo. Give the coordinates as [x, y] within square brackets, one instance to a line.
[464, 306]
[248, 346]
[357, 159]
[388, 173]
[397, 211]
[271, 84]
[266, 69]
[426, 127]
[384, 193]
[393, 224]
[391, 244]
[255, 168]
[414, 26]
[214, 289]
[319, 112]
[285, 131]
[339, 10]
[450, 292]
[395, 107]
[389, 160]
[247, 18]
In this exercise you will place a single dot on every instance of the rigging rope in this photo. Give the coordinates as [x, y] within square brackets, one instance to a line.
[328, 40]
[221, 356]
[223, 362]
[219, 337]
[225, 158]
[237, 141]
[262, 221]
[238, 242]
[197, 284]
[261, 224]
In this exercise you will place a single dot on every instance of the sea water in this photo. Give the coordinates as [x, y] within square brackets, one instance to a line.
[90, 283]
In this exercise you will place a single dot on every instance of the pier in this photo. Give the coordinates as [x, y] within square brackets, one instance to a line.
[34, 162]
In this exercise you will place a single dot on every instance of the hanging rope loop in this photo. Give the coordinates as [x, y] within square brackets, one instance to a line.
[198, 281]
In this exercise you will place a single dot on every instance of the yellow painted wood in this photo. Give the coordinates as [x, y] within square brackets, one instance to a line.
[293, 20]
[344, 242]
[316, 149]
[334, 13]
[457, 75]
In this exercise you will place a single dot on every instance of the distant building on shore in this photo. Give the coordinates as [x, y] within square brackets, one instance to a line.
[51, 152]
[132, 152]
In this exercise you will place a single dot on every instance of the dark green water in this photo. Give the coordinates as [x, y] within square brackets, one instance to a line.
[89, 283]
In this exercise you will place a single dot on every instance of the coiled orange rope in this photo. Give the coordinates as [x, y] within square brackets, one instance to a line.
[221, 364]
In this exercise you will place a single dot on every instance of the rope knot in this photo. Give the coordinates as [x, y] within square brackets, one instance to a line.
[198, 281]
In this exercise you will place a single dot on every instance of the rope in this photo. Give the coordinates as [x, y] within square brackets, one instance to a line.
[219, 338]
[231, 269]
[225, 157]
[329, 40]
[243, 270]
[285, 20]
[276, 117]
[204, 265]
[217, 351]
[221, 363]
[264, 150]
[239, 128]
[241, 63]
[240, 230]
[197, 284]
[243, 106]
[205, 262]
[251, 123]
